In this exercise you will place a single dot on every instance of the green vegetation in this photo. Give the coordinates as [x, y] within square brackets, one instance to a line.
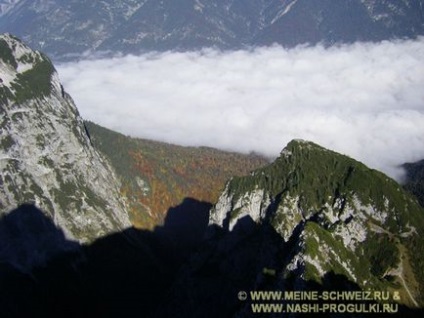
[41, 140]
[35, 188]
[5, 95]
[46, 161]
[318, 176]
[6, 142]
[27, 58]
[60, 199]
[415, 244]
[235, 213]
[314, 174]
[92, 198]
[35, 82]
[317, 237]
[6, 54]
[16, 117]
[158, 176]
[382, 252]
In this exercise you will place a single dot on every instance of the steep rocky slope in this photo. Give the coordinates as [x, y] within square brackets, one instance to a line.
[46, 157]
[313, 219]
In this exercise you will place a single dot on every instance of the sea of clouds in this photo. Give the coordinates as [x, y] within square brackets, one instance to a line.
[364, 100]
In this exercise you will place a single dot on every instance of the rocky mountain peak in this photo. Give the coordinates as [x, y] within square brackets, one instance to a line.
[332, 214]
[46, 157]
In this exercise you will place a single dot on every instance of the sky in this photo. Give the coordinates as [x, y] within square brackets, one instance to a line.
[365, 100]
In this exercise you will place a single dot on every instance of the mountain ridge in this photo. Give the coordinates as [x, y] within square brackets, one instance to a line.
[135, 26]
[310, 215]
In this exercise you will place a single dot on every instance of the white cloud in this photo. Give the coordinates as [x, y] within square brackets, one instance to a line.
[365, 100]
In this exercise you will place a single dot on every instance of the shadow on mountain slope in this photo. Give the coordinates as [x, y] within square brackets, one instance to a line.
[414, 179]
[129, 273]
[185, 226]
[28, 240]
[252, 257]
[170, 272]
[124, 274]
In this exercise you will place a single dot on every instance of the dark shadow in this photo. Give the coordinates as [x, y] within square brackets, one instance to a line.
[146, 274]
[414, 179]
[28, 238]
[185, 226]
[251, 257]
[227, 262]
[19, 295]
[126, 274]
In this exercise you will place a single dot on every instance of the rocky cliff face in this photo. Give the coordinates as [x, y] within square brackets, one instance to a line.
[46, 158]
[312, 219]
[337, 202]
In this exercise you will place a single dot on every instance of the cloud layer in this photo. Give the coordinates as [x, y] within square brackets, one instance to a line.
[364, 100]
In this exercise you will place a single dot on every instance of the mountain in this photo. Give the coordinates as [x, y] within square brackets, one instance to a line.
[6, 5]
[46, 156]
[312, 220]
[69, 191]
[156, 177]
[51, 157]
[73, 27]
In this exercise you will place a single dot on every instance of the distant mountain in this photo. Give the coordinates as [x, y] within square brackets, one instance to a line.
[6, 5]
[46, 157]
[311, 220]
[72, 27]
